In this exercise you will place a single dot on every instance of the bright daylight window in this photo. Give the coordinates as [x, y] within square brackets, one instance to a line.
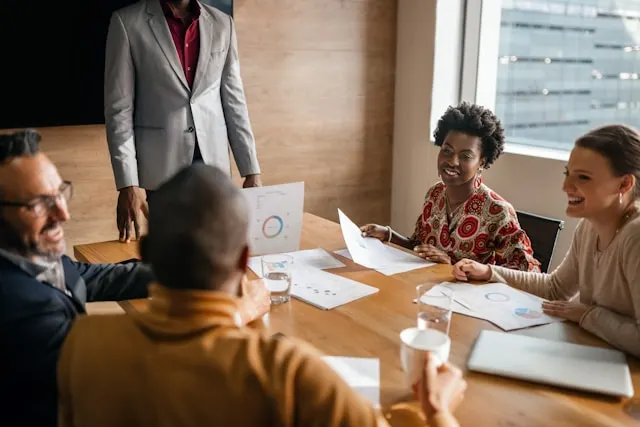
[558, 68]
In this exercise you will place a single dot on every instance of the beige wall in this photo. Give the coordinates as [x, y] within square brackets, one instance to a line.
[412, 172]
[319, 78]
[531, 184]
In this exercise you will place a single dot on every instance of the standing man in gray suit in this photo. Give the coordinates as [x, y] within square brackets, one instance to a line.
[172, 96]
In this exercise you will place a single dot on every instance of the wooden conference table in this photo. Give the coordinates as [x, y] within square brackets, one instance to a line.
[369, 327]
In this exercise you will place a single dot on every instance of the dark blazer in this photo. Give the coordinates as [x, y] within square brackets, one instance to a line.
[34, 320]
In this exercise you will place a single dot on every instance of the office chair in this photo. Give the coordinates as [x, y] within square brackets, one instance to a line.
[543, 233]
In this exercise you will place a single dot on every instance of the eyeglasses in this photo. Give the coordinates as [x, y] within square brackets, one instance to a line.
[41, 205]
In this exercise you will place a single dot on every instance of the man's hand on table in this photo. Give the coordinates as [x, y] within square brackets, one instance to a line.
[252, 181]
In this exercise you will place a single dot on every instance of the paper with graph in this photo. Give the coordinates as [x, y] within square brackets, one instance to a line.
[317, 258]
[275, 214]
[319, 288]
[500, 304]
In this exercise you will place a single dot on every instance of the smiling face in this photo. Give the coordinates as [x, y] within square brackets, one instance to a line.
[591, 186]
[22, 180]
[460, 158]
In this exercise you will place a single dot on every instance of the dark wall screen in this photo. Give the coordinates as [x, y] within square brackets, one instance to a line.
[51, 73]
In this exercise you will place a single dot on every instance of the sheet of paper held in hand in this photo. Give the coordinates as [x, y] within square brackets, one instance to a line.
[317, 287]
[500, 304]
[361, 373]
[372, 253]
[399, 261]
[275, 214]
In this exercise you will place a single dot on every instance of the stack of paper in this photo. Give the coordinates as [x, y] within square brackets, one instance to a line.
[500, 304]
[361, 373]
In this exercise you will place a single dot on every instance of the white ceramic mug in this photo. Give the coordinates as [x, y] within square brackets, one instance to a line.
[415, 345]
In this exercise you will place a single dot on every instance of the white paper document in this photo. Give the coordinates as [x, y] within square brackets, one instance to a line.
[398, 261]
[365, 251]
[361, 373]
[317, 287]
[500, 304]
[317, 258]
[326, 290]
[275, 214]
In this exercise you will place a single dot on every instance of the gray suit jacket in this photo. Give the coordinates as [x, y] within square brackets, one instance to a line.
[153, 118]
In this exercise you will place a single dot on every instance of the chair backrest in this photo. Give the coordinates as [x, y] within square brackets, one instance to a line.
[543, 233]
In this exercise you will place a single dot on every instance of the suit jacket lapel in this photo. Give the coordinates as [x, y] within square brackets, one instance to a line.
[160, 29]
[207, 31]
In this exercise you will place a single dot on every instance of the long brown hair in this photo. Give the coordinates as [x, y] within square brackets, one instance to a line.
[620, 145]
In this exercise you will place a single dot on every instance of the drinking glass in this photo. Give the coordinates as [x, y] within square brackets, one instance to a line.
[277, 272]
[434, 310]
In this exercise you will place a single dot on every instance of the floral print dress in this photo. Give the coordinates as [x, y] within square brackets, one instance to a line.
[484, 228]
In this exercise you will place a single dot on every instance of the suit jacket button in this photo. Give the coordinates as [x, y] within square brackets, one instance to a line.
[191, 129]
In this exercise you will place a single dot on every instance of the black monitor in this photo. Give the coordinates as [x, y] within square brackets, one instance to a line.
[53, 60]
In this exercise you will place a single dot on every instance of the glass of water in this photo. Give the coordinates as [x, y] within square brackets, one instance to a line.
[277, 272]
[434, 310]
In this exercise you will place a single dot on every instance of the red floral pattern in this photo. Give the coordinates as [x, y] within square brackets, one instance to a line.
[485, 229]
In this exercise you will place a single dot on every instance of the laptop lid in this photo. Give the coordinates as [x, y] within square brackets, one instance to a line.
[557, 363]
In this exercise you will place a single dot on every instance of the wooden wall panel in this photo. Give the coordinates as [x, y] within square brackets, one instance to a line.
[319, 76]
[80, 153]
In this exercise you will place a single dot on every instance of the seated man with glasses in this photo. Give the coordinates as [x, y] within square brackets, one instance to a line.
[41, 290]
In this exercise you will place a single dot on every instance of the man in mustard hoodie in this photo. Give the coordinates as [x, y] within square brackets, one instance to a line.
[188, 361]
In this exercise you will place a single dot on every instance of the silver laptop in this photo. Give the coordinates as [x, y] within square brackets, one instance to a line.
[578, 367]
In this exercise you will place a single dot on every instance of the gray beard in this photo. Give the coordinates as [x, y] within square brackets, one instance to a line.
[11, 241]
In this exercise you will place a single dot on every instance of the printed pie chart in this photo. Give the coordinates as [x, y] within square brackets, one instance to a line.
[527, 313]
[496, 297]
[272, 226]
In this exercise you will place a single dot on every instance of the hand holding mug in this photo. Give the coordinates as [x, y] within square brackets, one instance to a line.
[440, 389]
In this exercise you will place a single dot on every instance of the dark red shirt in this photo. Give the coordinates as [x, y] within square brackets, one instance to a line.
[186, 37]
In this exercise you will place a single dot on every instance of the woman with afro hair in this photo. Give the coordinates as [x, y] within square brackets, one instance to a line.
[461, 217]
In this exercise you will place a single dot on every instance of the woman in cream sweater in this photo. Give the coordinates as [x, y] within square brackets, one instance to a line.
[603, 187]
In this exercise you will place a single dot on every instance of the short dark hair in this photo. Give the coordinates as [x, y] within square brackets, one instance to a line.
[620, 145]
[198, 228]
[475, 120]
[24, 143]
